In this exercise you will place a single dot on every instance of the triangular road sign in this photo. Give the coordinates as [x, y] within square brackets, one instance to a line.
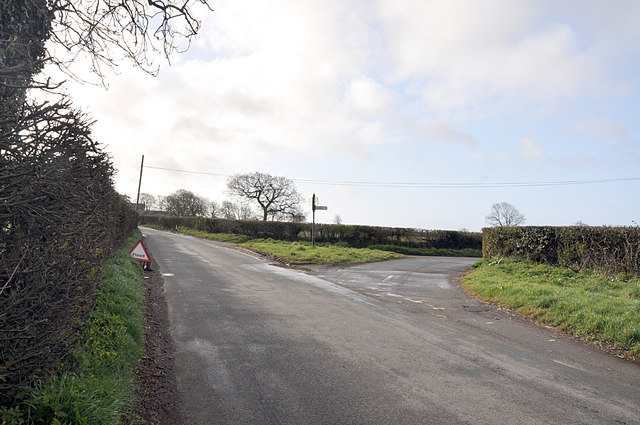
[140, 253]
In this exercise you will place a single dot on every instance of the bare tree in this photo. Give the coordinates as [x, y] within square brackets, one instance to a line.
[276, 196]
[337, 219]
[229, 210]
[504, 214]
[186, 204]
[237, 211]
[134, 28]
[107, 31]
[161, 202]
[213, 209]
[245, 212]
[148, 200]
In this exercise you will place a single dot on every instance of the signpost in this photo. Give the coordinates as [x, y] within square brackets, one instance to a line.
[140, 253]
[315, 207]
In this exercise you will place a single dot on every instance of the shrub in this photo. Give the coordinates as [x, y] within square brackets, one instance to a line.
[60, 218]
[611, 250]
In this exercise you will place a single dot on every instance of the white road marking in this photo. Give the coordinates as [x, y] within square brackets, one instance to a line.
[567, 365]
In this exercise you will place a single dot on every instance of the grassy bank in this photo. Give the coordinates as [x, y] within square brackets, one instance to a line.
[585, 304]
[222, 237]
[444, 252]
[326, 253]
[304, 253]
[98, 385]
[297, 252]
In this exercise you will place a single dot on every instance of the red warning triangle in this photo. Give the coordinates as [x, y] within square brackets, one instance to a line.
[140, 253]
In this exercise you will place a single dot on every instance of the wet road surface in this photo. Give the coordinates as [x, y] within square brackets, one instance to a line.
[395, 342]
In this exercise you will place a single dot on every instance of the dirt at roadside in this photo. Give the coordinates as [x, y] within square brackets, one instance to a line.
[158, 401]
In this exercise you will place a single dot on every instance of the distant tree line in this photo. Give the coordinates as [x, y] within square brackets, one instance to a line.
[276, 197]
[351, 235]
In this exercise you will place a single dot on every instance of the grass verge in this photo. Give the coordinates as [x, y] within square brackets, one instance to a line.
[222, 237]
[304, 253]
[324, 253]
[468, 252]
[586, 304]
[99, 385]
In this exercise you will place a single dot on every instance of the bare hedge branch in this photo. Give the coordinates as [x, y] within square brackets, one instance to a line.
[60, 216]
[59, 220]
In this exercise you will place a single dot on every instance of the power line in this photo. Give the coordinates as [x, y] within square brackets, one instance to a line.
[429, 185]
[187, 171]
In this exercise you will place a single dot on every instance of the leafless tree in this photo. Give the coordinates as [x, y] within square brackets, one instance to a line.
[504, 214]
[237, 211]
[186, 204]
[229, 210]
[213, 209]
[276, 196]
[245, 212]
[107, 31]
[148, 200]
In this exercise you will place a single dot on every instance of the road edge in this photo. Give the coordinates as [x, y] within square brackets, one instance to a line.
[158, 400]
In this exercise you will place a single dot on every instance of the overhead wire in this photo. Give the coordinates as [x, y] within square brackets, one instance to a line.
[428, 185]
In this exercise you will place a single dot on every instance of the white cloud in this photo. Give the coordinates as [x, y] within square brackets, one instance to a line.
[369, 96]
[605, 128]
[528, 150]
[465, 53]
[440, 130]
[531, 150]
[295, 88]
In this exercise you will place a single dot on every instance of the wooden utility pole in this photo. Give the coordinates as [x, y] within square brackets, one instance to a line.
[139, 183]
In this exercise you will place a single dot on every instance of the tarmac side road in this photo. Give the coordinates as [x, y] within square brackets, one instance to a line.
[396, 342]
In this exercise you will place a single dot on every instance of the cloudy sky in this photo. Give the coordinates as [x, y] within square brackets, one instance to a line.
[413, 113]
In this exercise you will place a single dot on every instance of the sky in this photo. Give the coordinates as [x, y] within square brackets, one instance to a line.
[403, 113]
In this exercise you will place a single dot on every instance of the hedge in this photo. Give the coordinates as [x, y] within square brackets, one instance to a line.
[352, 235]
[60, 218]
[611, 250]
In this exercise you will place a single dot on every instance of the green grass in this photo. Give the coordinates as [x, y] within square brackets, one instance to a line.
[222, 237]
[299, 252]
[586, 304]
[304, 253]
[467, 252]
[325, 253]
[100, 383]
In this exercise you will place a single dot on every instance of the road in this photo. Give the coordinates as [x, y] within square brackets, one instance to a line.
[396, 342]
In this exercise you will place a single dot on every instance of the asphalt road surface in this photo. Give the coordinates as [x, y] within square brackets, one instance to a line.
[396, 342]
